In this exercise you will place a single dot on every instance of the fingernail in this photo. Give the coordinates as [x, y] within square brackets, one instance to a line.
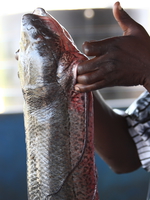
[85, 47]
[86, 51]
[77, 88]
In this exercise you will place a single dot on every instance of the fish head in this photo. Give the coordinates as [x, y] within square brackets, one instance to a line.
[43, 43]
[44, 48]
[40, 50]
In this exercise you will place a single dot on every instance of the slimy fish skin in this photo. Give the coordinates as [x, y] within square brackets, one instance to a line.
[58, 120]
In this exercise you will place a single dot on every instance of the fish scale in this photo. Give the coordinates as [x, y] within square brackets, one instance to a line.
[58, 120]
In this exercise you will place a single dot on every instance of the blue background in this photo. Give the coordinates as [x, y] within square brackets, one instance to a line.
[132, 186]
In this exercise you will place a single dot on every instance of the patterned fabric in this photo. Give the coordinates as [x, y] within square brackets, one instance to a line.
[138, 119]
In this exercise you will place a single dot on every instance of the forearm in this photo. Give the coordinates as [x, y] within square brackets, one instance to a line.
[112, 140]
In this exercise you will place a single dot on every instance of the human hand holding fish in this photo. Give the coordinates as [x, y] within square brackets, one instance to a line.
[117, 61]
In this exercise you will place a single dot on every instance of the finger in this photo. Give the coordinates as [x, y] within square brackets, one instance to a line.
[97, 48]
[99, 65]
[104, 74]
[104, 70]
[88, 66]
[91, 87]
[89, 78]
[127, 24]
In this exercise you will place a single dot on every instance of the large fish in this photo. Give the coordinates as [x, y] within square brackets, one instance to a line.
[58, 120]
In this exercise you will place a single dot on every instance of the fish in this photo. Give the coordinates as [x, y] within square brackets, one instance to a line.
[59, 122]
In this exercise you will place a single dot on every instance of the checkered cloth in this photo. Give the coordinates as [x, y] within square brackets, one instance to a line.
[138, 119]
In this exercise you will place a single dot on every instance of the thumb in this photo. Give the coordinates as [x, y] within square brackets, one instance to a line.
[127, 24]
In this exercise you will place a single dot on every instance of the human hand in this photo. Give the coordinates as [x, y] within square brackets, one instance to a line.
[118, 61]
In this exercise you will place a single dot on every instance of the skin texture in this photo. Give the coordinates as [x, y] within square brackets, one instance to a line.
[117, 61]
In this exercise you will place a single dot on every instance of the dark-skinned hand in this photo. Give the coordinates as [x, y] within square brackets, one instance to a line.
[117, 61]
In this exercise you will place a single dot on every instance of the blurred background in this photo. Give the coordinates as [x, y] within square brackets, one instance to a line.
[85, 21]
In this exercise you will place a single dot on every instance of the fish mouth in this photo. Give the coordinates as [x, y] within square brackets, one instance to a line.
[35, 17]
[39, 17]
[37, 26]
[40, 11]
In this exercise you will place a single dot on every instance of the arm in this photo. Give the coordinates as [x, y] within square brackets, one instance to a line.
[118, 61]
[112, 140]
